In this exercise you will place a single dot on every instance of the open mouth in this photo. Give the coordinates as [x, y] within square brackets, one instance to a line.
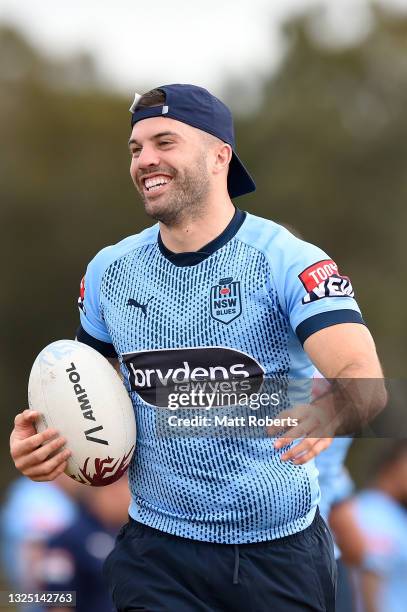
[156, 184]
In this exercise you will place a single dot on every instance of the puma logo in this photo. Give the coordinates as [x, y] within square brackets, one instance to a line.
[137, 304]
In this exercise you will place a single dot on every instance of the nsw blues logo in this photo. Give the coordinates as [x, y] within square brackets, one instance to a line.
[226, 301]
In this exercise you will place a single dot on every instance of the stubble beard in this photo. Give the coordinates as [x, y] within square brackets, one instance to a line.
[187, 198]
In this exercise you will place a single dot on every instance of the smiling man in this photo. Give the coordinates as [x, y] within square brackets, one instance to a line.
[169, 192]
[212, 297]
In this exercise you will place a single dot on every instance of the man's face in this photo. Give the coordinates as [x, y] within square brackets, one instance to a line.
[169, 168]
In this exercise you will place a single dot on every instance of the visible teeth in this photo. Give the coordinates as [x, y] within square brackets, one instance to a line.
[156, 181]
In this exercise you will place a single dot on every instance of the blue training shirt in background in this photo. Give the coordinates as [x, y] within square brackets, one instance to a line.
[383, 523]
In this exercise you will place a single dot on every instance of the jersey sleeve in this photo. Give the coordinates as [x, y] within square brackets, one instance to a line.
[313, 292]
[93, 330]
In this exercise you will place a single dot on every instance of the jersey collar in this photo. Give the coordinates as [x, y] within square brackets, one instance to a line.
[195, 257]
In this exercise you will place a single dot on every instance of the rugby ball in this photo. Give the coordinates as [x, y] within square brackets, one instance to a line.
[81, 395]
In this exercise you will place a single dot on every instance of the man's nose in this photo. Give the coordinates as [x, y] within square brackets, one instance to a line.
[148, 157]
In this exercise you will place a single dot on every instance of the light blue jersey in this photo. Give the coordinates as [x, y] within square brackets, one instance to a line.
[383, 523]
[334, 480]
[239, 309]
[32, 512]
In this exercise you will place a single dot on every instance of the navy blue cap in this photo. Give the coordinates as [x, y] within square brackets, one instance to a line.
[200, 109]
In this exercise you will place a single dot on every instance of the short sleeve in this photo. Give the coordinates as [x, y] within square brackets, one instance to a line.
[92, 320]
[314, 292]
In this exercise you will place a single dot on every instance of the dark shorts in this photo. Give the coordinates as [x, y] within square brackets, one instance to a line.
[156, 572]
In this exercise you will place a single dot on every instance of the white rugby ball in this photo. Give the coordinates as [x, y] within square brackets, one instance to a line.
[80, 394]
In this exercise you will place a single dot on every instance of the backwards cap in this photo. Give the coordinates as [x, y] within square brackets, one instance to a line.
[200, 109]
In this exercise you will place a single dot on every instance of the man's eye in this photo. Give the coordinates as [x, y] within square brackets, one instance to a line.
[165, 142]
[135, 152]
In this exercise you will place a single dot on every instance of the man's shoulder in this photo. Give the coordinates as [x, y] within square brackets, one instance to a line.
[109, 254]
[378, 502]
[271, 238]
[373, 505]
[378, 513]
[254, 223]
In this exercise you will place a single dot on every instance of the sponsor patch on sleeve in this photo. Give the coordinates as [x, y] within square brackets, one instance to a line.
[322, 279]
[81, 298]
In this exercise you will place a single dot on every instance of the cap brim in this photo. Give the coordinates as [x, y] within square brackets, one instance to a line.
[239, 180]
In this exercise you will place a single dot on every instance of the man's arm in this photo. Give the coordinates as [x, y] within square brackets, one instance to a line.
[353, 546]
[370, 586]
[344, 351]
[347, 532]
[40, 456]
[346, 355]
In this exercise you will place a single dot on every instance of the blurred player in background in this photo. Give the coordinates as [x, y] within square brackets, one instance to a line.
[380, 549]
[336, 486]
[219, 296]
[32, 513]
[72, 560]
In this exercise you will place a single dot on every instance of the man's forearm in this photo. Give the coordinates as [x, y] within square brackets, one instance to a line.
[353, 398]
[370, 586]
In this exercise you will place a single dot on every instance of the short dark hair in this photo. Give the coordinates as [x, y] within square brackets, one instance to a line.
[154, 97]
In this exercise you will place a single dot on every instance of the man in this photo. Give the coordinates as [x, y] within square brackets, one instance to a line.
[72, 559]
[32, 513]
[213, 297]
[379, 551]
[336, 486]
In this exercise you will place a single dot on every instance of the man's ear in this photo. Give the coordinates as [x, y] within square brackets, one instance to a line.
[223, 155]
